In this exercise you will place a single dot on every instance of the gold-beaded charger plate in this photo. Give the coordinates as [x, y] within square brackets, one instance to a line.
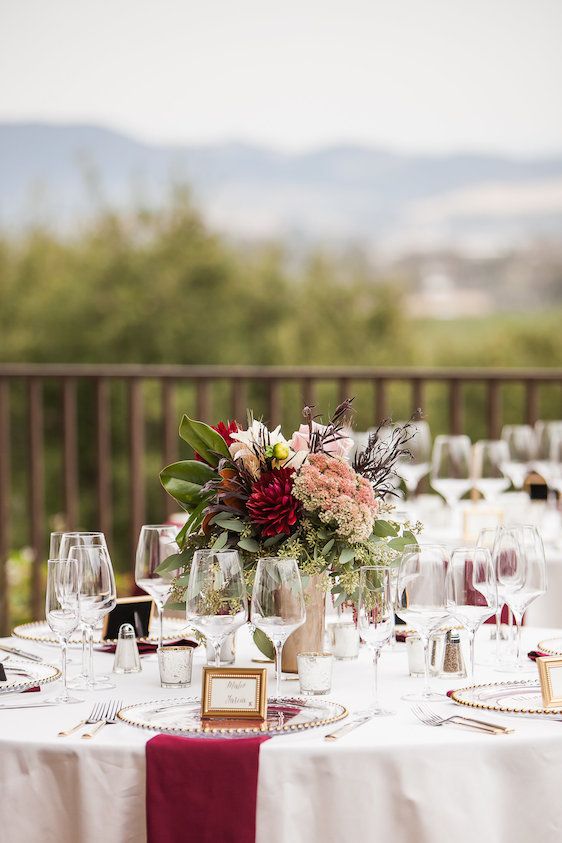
[552, 646]
[22, 674]
[183, 717]
[522, 697]
[41, 632]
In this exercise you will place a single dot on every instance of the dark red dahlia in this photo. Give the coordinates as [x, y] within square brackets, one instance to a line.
[226, 431]
[271, 505]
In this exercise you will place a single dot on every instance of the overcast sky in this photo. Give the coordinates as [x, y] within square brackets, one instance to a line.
[428, 75]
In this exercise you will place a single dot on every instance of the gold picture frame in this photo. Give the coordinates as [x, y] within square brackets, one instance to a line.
[551, 685]
[234, 692]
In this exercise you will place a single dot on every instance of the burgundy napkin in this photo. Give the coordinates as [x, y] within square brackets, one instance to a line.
[536, 654]
[145, 647]
[202, 790]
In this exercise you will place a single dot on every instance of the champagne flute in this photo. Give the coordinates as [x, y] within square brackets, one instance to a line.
[450, 468]
[421, 599]
[521, 443]
[97, 597]
[489, 459]
[375, 619]
[62, 612]
[217, 600]
[415, 465]
[278, 603]
[471, 590]
[157, 542]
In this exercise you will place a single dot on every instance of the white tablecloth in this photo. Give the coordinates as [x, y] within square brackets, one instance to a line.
[393, 779]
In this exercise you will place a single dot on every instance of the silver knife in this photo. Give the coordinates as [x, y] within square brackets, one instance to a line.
[27, 705]
[23, 654]
[348, 727]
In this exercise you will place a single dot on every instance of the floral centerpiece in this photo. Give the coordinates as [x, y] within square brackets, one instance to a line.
[255, 491]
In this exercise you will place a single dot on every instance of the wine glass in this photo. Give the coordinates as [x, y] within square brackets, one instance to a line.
[489, 458]
[415, 466]
[421, 599]
[546, 433]
[523, 572]
[97, 597]
[521, 443]
[217, 601]
[157, 542]
[487, 539]
[55, 540]
[555, 479]
[278, 603]
[472, 594]
[62, 611]
[450, 468]
[375, 619]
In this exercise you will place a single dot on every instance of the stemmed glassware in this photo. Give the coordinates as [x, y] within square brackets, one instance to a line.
[62, 611]
[521, 569]
[487, 539]
[450, 468]
[489, 459]
[216, 601]
[521, 443]
[555, 479]
[471, 590]
[421, 598]
[546, 433]
[97, 597]
[278, 603]
[375, 619]
[157, 542]
[415, 466]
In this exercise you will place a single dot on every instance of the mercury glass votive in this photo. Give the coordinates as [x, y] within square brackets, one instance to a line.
[315, 672]
[345, 640]
[175, 665]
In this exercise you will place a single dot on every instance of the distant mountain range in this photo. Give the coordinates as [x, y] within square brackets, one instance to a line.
[334, 195]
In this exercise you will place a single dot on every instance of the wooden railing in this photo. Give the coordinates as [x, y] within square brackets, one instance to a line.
[83, 411]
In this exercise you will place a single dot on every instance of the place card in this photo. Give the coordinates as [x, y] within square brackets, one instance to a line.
[234, 692]
[134, 610]
[550, 675]
[480, 517]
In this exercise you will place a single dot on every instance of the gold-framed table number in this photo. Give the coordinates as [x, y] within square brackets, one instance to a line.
[237, 692]
[550, 675]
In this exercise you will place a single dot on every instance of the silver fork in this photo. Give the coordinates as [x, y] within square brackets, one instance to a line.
[108, 716]
[93, 717]
[431, 718]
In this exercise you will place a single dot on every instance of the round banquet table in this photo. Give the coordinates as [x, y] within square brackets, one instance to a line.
[393, 779]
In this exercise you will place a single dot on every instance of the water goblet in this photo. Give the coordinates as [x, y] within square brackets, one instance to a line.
[62, 612]
[375, 619]
[489, 459]
[450, 468]
[157, 542]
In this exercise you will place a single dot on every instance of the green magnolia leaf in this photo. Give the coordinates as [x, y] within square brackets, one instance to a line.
[207, 442]
[185, 529]
[250, 545]
[407, 534]
[228, 523]
[184, 481]
[346, 555]
[400, 543]
[327, 547]
[263, 644]
[269, 542]
[220, 541]
[383, 529]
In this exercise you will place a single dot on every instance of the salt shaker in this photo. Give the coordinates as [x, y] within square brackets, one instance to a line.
[127, 659]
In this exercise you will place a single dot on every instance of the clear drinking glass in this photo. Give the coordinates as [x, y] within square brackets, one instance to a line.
[421, 599]
[523, 573]
[555, 479]
[489, 459]
[278, 603]
[546, 433]
[450, 468]
[55, 540]
[472, 594]
[521, 443]
[412, 468]
[97, 597]
[217, 601]
[157, 542]
[487, 539]
[375, 619]
[62, 611]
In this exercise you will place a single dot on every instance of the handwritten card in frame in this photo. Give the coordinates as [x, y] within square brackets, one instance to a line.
[550, 675]
[234, 692]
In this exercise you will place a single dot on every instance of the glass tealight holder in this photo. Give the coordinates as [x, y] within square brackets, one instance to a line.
[175, 664]
[315, 672]
[345, 640]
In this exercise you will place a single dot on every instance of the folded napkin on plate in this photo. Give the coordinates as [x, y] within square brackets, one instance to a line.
[202, 790]
[145, 647]
[536, 654]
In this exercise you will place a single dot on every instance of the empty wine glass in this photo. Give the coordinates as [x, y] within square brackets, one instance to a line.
[375, 619]
[471, 590]
[62, 611]
[546, 433]
[217, 601]
[157, 542]
[55, 540]
[415, 466]
[487, 539]
[489, 458]
[521, 443]
[97, 597]
[450, 468]
[555, 479]
[278, 603]
[421, 599]
[523, 574]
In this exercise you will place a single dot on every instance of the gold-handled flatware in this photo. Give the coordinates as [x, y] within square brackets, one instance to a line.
[109, 715]
[431, 718]
[93, 717]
